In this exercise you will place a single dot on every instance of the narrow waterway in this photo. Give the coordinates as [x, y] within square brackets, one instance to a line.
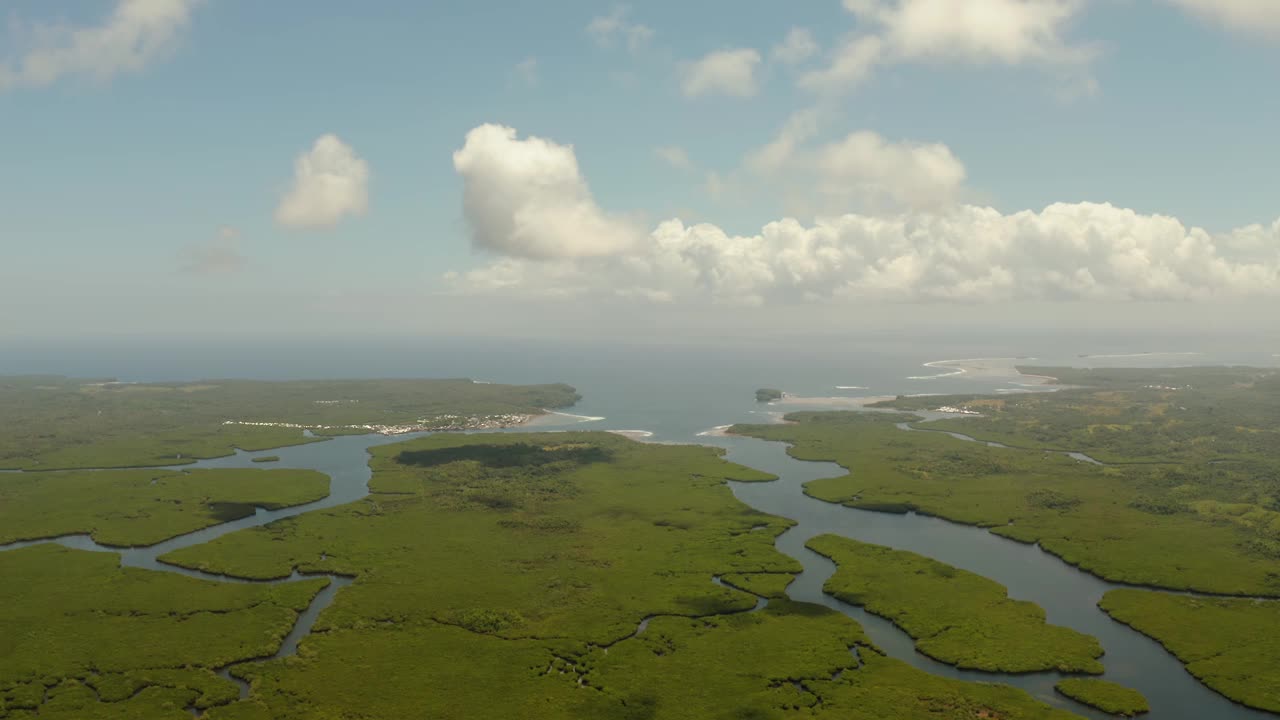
[1069, 596]
[345, 459]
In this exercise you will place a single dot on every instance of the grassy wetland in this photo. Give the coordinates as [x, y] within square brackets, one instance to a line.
[84, 637]
[575, 573]
[143, 507]
[1188, 498]
[584, 575]
[1230, 644]
[1206, 528]
[54, 422]
[1105, 696]
[955, 616]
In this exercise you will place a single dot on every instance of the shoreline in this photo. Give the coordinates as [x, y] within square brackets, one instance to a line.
[833, 401]
[442, 423]
[987, 368]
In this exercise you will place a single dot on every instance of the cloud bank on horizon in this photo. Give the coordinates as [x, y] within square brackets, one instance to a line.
[527, 201]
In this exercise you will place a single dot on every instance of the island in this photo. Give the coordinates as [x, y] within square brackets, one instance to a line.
[1105, 696]
[955, 616]
[1229, 644]
[765, 395]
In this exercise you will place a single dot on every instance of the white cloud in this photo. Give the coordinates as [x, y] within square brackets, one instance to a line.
[675, 156]
[527, 71]
[330, 182]
[796, 47]
[865, 169]
[527, 198]
[724, 72]
[219, 256]
[609, 29]
[1066, 252]
[1261, 17]
[799, 128]
[136, 33]
[860, 171]
[850, 65]
[1009, 32]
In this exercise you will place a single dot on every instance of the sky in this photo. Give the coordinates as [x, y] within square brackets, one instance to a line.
[329, 168]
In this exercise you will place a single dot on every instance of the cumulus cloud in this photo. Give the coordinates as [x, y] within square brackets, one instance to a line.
[330, 183]
[527, 198]
[528, 202]
[796, 47]
[219, 256]
[608, 30]
[1009, 32]
[724, 72]
[136, 33]
[1066, 252]
[866, 169]
[862, 171]
[1260, 17]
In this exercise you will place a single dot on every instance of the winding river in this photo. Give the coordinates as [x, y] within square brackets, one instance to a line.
[1069, 596]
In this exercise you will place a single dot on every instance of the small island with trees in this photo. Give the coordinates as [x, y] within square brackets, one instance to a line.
[765, 395]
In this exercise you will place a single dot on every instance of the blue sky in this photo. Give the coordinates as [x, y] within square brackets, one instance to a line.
[108, 185]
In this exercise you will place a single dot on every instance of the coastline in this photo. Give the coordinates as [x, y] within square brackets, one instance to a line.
[986, 368]
[441, 423]
[834, 401]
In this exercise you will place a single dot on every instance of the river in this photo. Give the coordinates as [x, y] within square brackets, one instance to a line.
[678, 407]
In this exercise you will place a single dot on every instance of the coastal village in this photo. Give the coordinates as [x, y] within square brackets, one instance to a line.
[440, 423]
[956, 410]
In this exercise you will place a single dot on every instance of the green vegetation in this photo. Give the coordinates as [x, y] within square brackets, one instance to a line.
[105, 641]
[1105, 696]
[144, 507]
[955, 616]
[63, 423]
[786, 659]
[551, 535]
[768, 395]
[266, 459]
[507, 576]
[1230, 644]
[1191, 500]
[1186, 527]
[76, 700]
[1188, 416]
[767, 585]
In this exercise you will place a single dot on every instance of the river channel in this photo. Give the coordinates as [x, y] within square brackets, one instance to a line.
[1069, 596]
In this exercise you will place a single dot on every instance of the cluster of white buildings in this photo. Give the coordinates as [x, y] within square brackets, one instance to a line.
[957, 410]
[440, 423]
